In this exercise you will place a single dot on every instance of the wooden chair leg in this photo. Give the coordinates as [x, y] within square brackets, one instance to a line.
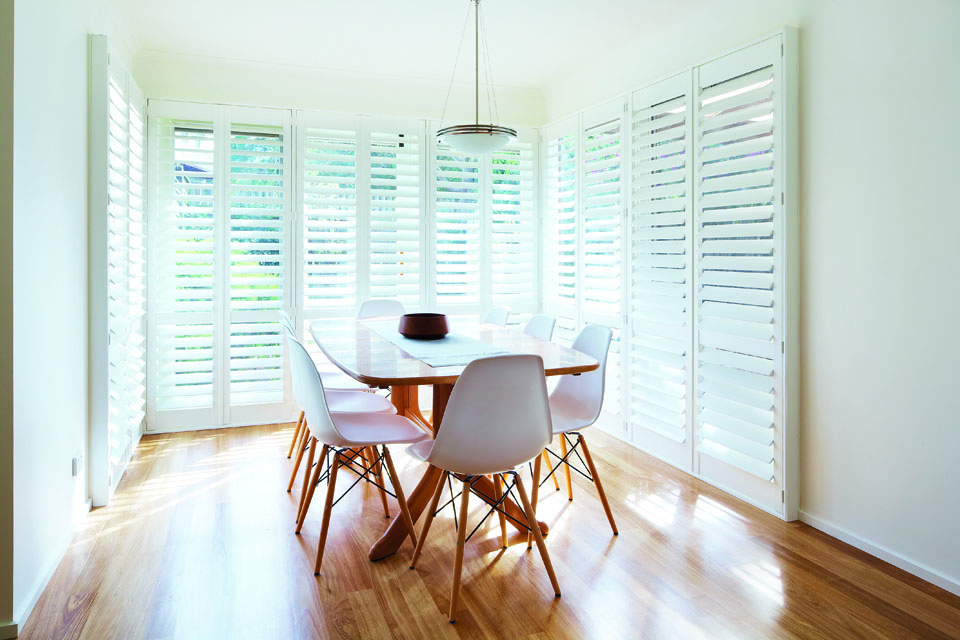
[596, 481]
[314, 481]
[401, 499]
[546, 461]
[566, 467]
[536, 494]
[296, 435]
[378, 474]
[327, 508]
[498, 493]
[426, 524]
[535, 528]
[307, 472]
[461, 540]
[304, 435]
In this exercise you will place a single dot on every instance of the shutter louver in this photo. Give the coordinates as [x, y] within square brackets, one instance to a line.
[329, 182]
[457, 214]
[560, 235]
[601, 225]
[395, 217]
[738, 264]
[184, 265]
[513, 239]
[661, 270]
[126, 301]
[258, 205]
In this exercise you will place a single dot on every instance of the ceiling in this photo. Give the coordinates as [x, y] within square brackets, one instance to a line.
[532, 42]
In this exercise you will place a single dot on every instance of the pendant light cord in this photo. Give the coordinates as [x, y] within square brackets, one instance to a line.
[456, 61]
[489, 73]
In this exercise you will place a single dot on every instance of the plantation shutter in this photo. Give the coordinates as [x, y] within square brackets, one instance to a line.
[126, 294]
[396, 213]
[560, 221]
[259, 209]
[661, 270]
[457, 229]
[513, 260]
[739, 254]
[602, 233]
[328, 178]
[184, 292]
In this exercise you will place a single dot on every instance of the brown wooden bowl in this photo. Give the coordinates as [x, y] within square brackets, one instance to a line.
[423, 326]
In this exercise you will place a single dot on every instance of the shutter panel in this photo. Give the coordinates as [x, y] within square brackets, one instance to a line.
[660, 366]
[513, 260]
[396, 215]
[739, 272]
[258, 209]
[183, 269]
[328, 172]
[602, 232]
[560, 229]
[457, 214]
[126, 351]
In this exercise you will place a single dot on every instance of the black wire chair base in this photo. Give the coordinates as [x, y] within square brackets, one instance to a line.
[351, 458]
[572, 448]
[495, 505]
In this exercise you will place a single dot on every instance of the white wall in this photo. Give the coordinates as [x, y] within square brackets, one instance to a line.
[49, 280]
[166, 75]
[879, 300]
[7, 627]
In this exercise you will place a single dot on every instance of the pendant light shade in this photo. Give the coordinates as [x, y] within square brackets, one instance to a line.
[476, 138]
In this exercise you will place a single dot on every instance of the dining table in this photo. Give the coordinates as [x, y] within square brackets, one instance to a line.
[373, 352]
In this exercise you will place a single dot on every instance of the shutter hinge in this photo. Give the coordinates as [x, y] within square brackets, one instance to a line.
[781, 48]
[782, 198]
[783, 496]
[783, 348]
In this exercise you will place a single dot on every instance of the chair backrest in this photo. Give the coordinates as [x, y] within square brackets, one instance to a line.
[498, 416]
[381, 307]
[497, 315]
[541, 326]
[286, 322]
[584, 393]
[308, 391]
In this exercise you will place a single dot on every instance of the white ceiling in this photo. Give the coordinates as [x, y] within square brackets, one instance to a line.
[532, 41]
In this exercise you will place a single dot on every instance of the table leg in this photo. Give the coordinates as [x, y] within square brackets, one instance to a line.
[419, 498]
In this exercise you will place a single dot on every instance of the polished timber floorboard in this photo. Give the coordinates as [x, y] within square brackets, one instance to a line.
[198, 543]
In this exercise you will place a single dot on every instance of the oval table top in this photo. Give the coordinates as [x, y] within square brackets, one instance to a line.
[375, 361]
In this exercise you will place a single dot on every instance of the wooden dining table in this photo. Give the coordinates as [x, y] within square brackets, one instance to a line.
[367, 356]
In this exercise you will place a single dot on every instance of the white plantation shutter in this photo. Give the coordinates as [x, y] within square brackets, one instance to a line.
[126, 302]
[396, 213]
[457, 232]
[183, 294]
[602, 234]
[220, 232]
[560, 229]
[739, 254]
[328, 170]
[661, 271]
[513, 260]
[259, 210]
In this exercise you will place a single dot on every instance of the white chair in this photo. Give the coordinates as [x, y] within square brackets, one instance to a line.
[497, 417]
[341, 401]
[380, 308]
[575, 404]
[497, 316]
[540, 326]
[347, 436]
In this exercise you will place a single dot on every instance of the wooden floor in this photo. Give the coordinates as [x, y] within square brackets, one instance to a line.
[199, 543]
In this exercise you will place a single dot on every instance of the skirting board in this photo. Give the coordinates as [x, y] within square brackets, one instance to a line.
[8, 630]
[887, 555]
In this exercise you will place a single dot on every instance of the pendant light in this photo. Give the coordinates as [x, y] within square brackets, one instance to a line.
[476, 138]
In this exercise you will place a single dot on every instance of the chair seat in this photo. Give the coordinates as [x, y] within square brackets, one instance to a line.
[358, 402]
[338, 380]
[361, 429]
[420, 451]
